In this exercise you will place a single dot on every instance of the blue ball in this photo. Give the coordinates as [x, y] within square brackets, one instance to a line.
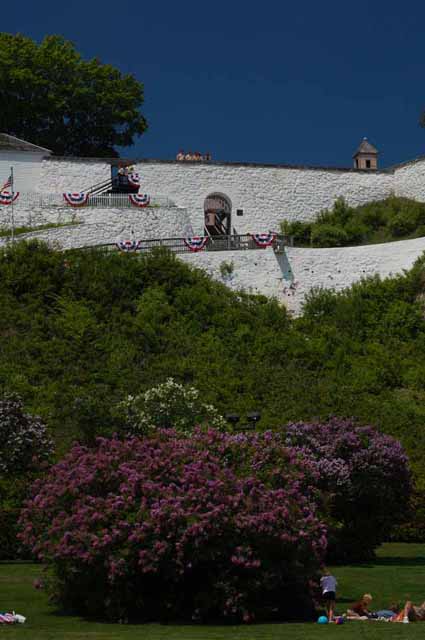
[339, 620]
[322, 620]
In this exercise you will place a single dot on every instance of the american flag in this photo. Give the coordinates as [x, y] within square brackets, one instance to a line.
[7, 184]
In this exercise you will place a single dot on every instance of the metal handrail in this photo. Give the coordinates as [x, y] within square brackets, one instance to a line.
[93, 188]
[241, 242]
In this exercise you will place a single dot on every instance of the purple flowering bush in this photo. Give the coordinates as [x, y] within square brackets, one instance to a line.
[25, 444]
[365, 479]
[215, 526]
[25, 450]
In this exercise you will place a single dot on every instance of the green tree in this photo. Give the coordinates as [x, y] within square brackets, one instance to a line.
[53, 98]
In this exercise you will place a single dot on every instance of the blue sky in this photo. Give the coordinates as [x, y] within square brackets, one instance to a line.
[278, 82]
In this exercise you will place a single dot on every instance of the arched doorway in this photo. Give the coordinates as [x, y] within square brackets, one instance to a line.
[218, 215]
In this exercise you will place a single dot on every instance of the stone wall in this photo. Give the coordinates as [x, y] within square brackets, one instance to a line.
[291, 275]
[255, 271]
[71, 174]
[266, 194]
[409, 180]
[103, 226]
[338, 268]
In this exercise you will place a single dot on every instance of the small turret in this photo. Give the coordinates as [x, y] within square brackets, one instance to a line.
[366, 156]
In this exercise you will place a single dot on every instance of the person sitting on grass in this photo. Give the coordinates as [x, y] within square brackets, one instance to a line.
[328, 585]
[360, 609]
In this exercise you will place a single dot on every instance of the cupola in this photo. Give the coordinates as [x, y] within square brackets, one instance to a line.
[366, 156]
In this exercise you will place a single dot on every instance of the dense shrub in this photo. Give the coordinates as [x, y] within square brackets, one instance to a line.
[366, 477]
[78, 336]
[25, 444]
[169, 404]
[25, 450]
[328, 235]
[381, 221]
[215, 526]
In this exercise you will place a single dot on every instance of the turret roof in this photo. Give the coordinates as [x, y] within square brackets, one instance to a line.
[366, 147]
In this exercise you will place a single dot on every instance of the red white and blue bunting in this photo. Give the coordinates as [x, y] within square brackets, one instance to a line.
[139, 200]
[133, 179]
[129, 245]
[263, 240]
[76, 199]
[196, 243]
[7, 198]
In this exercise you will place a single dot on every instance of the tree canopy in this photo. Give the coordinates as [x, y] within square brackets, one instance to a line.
[52, 97]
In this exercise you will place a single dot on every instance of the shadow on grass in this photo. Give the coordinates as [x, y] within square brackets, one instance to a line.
[401, 562]
[390, 561]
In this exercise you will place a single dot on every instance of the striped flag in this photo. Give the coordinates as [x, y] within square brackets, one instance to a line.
[7, 184]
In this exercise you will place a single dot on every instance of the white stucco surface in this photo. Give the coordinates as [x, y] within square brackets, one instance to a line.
[59, 174]
[409, 180]
[338, 268]
[103, 226]
[255, 271]
[267, 195]
[26, 169]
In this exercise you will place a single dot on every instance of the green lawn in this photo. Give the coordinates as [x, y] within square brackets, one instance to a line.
[397, 574]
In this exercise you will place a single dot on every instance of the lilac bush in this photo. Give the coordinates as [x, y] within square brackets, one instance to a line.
[216, 526]
[25, 450]
[24, 441]
[169, 404]
[365, 478]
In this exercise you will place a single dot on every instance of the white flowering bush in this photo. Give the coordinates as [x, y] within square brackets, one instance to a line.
[168, 405]
[25, 444]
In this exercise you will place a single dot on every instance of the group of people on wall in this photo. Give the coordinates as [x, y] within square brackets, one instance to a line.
[196, 156]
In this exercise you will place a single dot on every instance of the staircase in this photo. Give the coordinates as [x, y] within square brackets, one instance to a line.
[113, 185]
[98, 188]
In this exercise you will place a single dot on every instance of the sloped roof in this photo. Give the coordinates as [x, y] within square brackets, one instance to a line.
[365, 147]
[10, 143]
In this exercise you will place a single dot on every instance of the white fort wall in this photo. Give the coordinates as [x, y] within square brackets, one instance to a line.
[58, 175]
[102, 226]
[290, 276]
[266, 195]
[409, 180]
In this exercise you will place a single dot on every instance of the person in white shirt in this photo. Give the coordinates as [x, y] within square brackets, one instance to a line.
[328, 585]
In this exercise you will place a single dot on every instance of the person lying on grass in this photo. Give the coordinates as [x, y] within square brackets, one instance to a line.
[410, 612]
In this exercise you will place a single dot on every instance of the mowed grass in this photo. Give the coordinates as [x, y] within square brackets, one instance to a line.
[397, 574]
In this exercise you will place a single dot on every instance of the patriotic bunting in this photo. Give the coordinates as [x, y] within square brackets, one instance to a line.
[129, 245]
[139, 200]
[7, 198]
[196, 243]
[263, 240]
[76, 199]
[133, 179]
